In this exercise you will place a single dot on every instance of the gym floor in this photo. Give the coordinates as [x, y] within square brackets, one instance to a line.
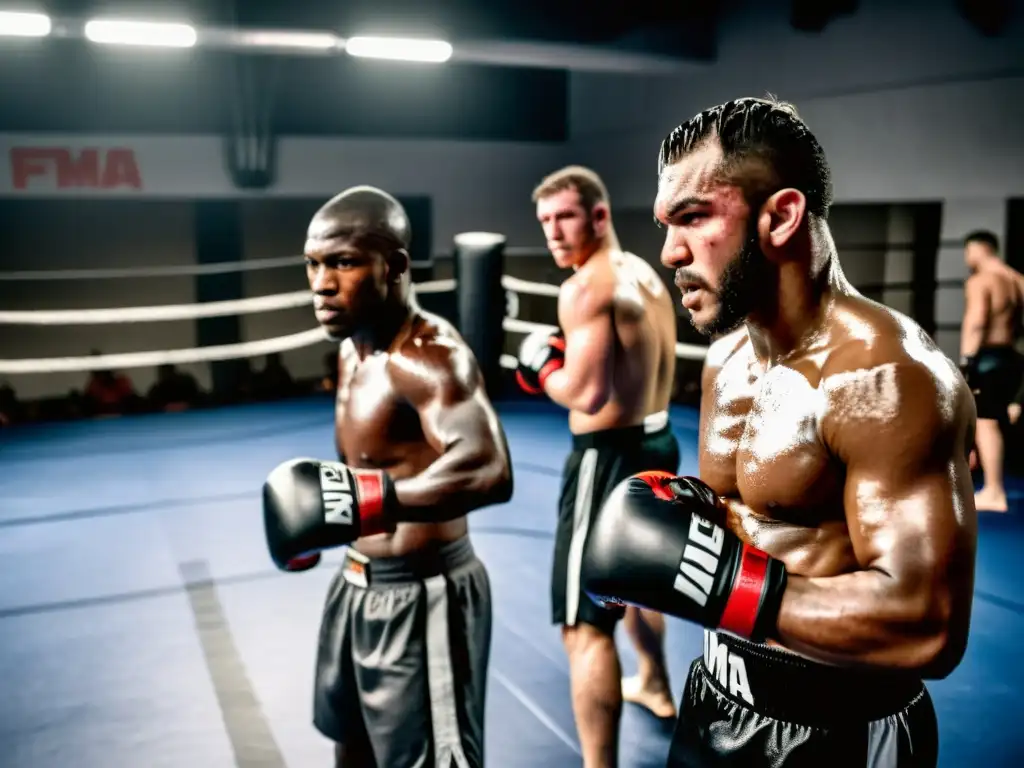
[142, 624]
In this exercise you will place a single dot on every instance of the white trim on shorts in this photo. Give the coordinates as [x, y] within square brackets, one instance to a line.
[884, 741]
[655, 421]
[580, 529]
[441, 679]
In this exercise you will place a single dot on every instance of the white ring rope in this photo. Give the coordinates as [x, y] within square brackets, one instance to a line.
[434, 286]
[169, 271]
[185, 270]
[168, 356]
[244, 349]
[159, 313]
[167, 312]
[510, 283]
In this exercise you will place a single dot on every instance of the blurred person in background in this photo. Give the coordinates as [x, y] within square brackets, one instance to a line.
[611, 364]
[11, 411]
[989, 360]
[109, 393]
[174, 390]
[274, 381]
[329, 381]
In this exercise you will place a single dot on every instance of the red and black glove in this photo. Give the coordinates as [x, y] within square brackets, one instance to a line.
[310, 506]
[541, 354]
[658, 542]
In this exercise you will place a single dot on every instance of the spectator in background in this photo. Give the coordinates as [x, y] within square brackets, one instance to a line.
[174, 390]
[274, 381]
[329, 382]
[109, 393]
[10, 409]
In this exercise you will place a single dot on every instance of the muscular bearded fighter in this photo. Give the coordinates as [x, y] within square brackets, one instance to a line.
[405, 636]
[828, 547]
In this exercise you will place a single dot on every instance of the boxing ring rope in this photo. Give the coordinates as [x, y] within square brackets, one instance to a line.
[183, 270]
[161, 313]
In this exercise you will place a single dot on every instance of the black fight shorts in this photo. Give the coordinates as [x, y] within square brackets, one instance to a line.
[599, 461]
[752, 705]
[998, 377]
[402, 663]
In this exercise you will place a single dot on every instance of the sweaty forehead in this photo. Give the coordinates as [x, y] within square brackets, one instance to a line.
[696, 174]
[562, 200]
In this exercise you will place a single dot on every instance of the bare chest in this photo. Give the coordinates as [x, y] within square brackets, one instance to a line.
[760, 442]
[374, 426]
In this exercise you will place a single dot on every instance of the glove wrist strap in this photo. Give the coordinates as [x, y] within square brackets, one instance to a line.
[746, 596]
[370, 489]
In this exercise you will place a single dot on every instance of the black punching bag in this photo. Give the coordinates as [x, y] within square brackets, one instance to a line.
[479, 265]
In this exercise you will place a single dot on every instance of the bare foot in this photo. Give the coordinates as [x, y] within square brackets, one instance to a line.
[987, 501]
[652, 696]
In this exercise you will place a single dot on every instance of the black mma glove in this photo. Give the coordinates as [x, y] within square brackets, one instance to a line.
[659, 542]
[310, 506]
[541, 354]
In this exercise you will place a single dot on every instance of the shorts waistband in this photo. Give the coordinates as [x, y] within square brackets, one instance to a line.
[433, 560]
[781, 685]
[1003, 351]
[654, 424]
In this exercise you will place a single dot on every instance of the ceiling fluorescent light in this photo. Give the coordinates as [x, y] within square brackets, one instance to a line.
[144, 33]
[321, 41]
[24, 24]
[399, 49]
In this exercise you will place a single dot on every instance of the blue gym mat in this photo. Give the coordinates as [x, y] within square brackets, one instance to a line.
[142, 624]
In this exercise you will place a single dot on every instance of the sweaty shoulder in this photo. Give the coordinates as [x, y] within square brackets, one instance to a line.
[719, 353]
[980, 282]
[885, 373]
[433, 359]
[587, 294]
[722, 349]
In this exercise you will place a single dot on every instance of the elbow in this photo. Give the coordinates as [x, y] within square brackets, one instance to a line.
[940, 642]
[503, 484]
[496, 480]
[939, 655]
[592, 401]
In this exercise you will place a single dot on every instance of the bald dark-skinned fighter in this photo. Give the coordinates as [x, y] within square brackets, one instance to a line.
[405, 635]
[828, 546]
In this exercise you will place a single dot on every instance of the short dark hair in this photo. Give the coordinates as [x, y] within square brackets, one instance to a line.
[586, 182]
[767, 131]
[984, 237]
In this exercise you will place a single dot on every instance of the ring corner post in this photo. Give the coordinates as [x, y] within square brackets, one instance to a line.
[479, 266]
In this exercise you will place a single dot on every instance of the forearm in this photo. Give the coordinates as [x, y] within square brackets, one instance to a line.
[860, 618]
[971, 335]
[458, 482]
[866, 617]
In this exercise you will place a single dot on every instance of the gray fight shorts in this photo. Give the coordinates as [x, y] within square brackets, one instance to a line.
[402, 662]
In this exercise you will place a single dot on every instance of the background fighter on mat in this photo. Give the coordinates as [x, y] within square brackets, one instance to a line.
[612, 365]
[991, 364]
[829, 544]
[405, 636]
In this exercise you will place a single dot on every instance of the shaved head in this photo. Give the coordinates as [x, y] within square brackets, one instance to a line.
[357, 261]
[359, 212]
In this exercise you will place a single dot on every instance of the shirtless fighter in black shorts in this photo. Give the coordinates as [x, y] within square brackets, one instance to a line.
[828, 547]
[993, 305]
[611, 364]
[406, 631]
